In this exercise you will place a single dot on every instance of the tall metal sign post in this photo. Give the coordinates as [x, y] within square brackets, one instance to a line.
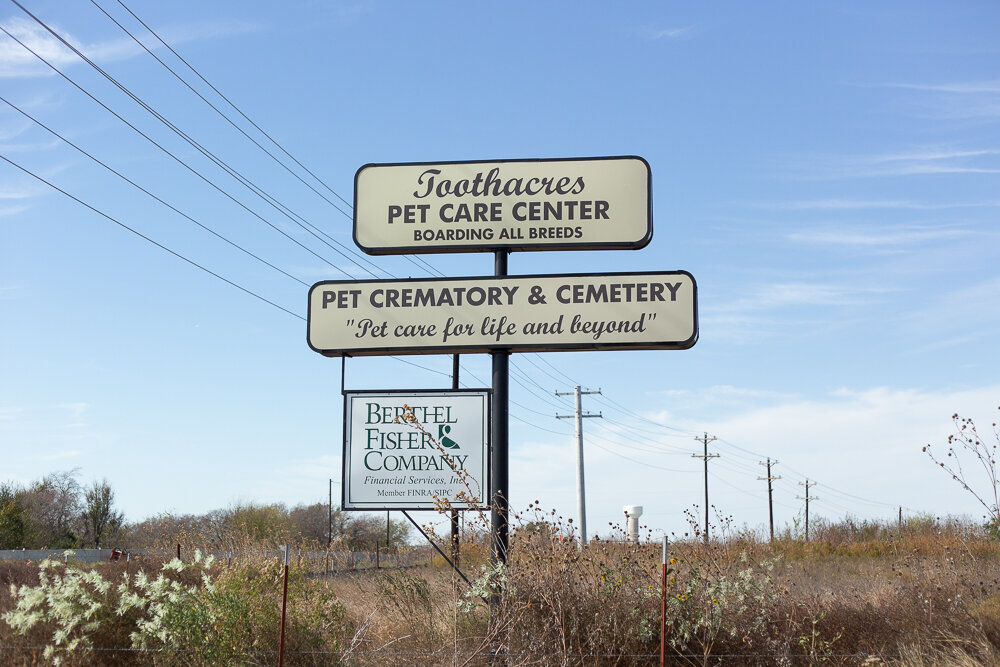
[500, 437]
[500, 207]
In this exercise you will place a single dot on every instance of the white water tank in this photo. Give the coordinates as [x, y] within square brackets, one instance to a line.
[632, 513]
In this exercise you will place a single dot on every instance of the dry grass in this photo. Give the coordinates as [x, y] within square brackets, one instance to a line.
[928, 594]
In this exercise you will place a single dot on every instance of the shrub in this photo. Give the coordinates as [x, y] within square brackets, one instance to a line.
[70, 599]
[181, 616]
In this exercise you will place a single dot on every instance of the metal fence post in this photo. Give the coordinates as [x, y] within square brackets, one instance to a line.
[284, 604]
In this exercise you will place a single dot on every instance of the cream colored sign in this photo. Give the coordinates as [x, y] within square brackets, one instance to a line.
[578, 204]
[521, 313]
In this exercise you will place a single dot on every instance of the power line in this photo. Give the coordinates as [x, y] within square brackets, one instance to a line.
[636, 415]
[638, 429]
[540, 428]
[144, 190]
[527, 359]
[203, 98]
[230, 103]
[23, 45]
[642, 463]
[638, 444]
[530, 379]
[411, 363]
[146, 238]
[177, 159]
[416, 261]
[825, 486]
[219, 162]
[546, 362]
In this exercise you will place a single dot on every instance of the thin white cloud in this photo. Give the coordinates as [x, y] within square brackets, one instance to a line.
[956, 100]
[958, 314]
[955, 341]
[724, 390]
[30, 148]
[920, 160]
[863, 445]
[959, 110]
[843, 204]
[760, 312]
[17, 62]
[670, 33]
[906, 235]
[929, 168]
[14, 129]
[30, 187]
[206, 30]
[741, 329]
[7, 413]
[960, 87]
[75, 409]
[717, 398]
[931, 154]
[8, 192]
[789, 294]
[350, 13]
[6, 212]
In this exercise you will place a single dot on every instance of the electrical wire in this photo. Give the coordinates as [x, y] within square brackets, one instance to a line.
[231, 104]
[528, 359]
[148, 239]
[175, 158]
[546, 362]
[204, 99]
[295, 218]
[415, 260]
[147, 192]
[642, 463]
[640, 417]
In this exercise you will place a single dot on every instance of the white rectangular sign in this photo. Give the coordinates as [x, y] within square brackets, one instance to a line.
[537, 313]
[392, 463]
[559, 204]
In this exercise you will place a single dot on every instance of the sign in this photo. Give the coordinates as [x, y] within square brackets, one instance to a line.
[558, 204]
[390, 463]
[540, 313]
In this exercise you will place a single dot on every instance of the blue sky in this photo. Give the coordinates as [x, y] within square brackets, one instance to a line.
[828, 173]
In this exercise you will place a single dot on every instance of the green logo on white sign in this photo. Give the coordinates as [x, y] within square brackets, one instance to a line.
[443, 438]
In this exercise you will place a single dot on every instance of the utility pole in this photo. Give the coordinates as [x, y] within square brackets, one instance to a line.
[581, 496]
[329, 516]
[770, 497]
[706, 456]
[807, 484]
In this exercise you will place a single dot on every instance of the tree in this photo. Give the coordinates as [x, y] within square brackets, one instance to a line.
[966, 442]
[363, 532]
[100, 518]
[12, 516]
[52, 509]
[313, 522]
[269, 523]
